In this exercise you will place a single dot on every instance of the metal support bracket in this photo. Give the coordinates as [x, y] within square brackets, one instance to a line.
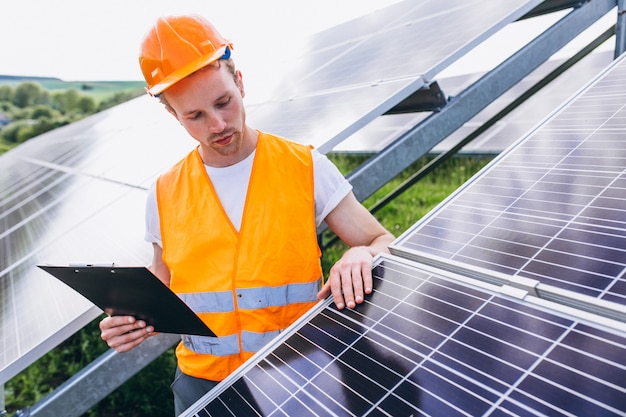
[389, 162]
[427, 98]
[620, 28]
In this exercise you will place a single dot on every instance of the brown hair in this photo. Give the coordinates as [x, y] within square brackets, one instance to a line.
[230, 65]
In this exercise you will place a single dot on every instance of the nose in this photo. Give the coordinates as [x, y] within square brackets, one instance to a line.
[216, 124]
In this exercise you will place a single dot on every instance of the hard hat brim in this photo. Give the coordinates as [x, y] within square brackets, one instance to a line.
[185, 71]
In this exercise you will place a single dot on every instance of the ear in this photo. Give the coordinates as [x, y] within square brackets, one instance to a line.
[239, 81]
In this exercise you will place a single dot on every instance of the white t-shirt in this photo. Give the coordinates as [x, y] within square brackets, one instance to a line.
[231, 185]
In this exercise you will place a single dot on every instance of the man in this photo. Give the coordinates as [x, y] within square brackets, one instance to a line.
[233, 225]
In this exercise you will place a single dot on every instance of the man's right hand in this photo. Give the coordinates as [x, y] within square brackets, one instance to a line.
[124, 333]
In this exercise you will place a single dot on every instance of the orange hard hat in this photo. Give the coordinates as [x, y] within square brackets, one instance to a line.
[177, 46]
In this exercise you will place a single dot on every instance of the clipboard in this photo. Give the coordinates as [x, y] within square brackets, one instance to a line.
[132, 291]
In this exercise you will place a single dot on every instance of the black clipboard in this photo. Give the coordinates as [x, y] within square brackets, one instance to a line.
[132, 291]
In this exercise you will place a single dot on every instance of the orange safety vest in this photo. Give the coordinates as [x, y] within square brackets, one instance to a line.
[247, 286]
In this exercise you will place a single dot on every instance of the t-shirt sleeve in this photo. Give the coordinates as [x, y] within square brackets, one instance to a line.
[330, 186]
[153, 224]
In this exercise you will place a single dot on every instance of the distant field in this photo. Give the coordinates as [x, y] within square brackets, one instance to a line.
[96, 89]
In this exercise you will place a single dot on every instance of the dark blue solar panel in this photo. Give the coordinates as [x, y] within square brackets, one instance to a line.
[551, 208]
[427, 344]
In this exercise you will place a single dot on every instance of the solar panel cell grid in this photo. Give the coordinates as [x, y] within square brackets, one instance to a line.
[552, 208]
[425, 344]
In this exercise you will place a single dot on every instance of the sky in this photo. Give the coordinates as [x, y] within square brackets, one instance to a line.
[83, 40]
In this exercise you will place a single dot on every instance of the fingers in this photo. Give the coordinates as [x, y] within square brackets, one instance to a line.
[124, 333]
[351, 287]
[325, 291]
[349, 281]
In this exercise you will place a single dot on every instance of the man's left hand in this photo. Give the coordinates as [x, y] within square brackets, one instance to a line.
[350, 279]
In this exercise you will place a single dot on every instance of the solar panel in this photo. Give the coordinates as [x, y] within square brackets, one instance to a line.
[532, 111]
[129, 144]
[428, 342]
[546, 216]
[75, 194]
[551, 208]
[384, 130]
[355, 72]
[90, 223]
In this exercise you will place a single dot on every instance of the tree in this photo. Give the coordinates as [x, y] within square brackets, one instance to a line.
[86, 105]
[11, 133]
[44, 97]
[42, 111]
[8, 107]
[27, 94]
[66, 101]
[6, 93]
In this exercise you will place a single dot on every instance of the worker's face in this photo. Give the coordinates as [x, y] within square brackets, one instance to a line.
[209, 105]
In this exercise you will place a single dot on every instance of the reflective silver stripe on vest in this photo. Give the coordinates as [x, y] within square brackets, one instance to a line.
[252, 298]
[248, 299]
[218, 346]
[208, 302]
[253, 342]
[228, 345]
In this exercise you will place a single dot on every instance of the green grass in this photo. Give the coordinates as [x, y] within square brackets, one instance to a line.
[411, 205]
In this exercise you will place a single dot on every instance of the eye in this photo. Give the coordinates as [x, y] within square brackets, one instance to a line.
[224, 102]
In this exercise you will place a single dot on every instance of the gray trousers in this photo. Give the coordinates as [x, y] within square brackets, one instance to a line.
[188, 389]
